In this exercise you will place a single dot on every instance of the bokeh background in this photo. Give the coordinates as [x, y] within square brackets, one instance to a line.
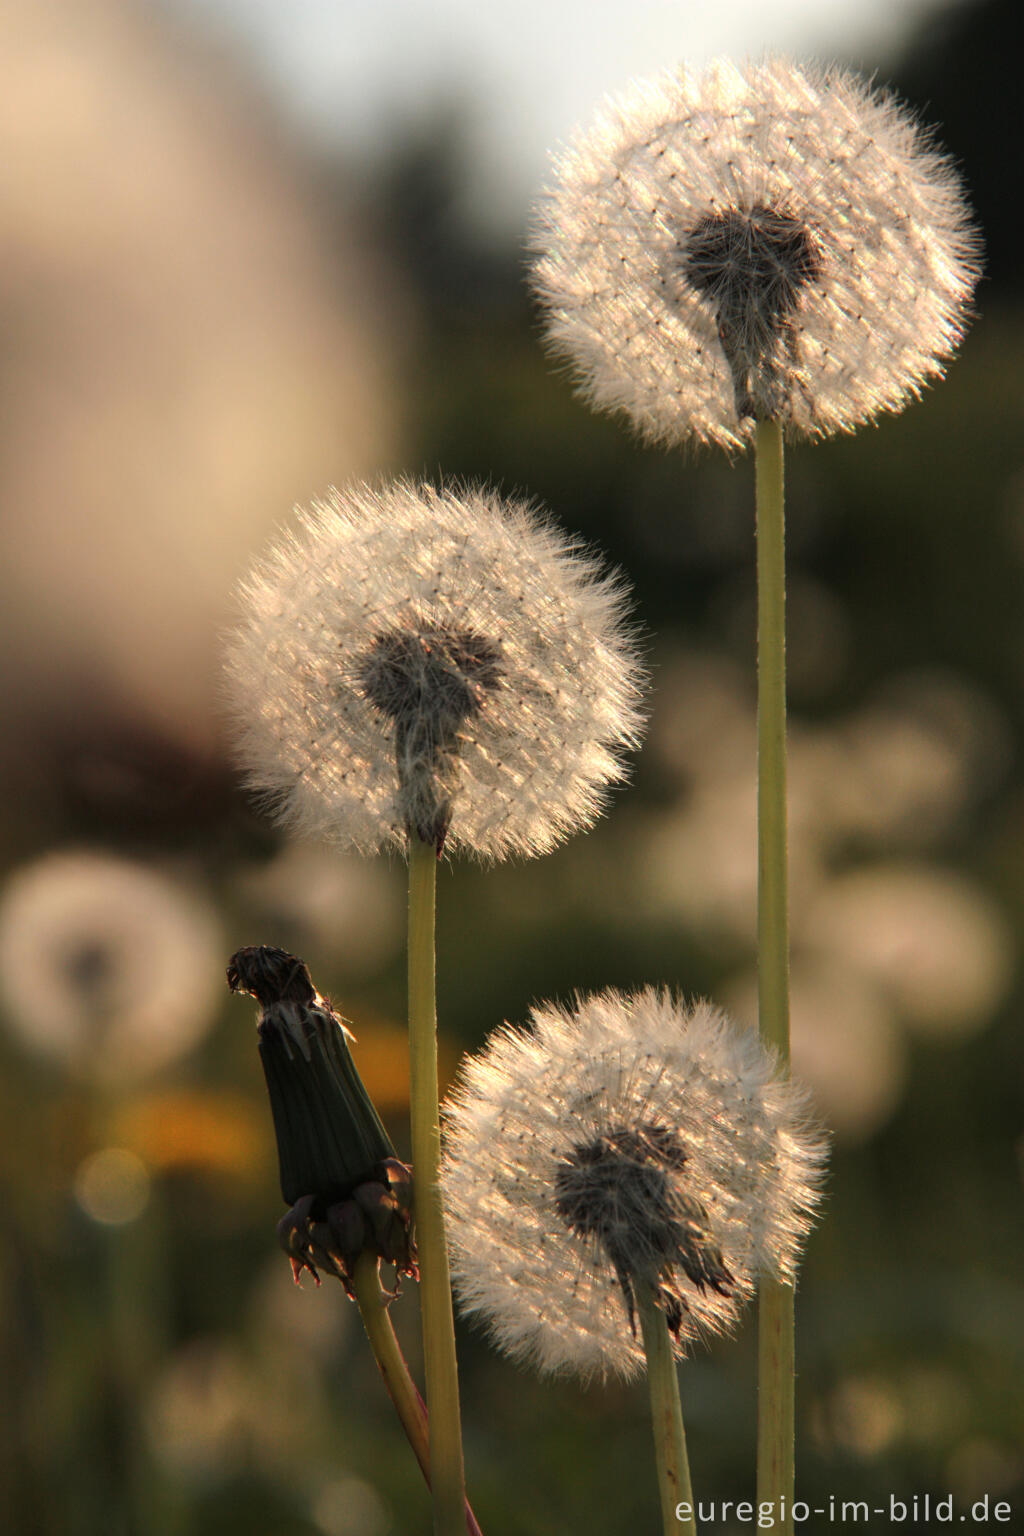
[248, 250]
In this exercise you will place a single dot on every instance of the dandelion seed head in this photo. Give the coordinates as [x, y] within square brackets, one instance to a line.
[757, 241]
[107, 966]
[629, 1140]
[436, 660]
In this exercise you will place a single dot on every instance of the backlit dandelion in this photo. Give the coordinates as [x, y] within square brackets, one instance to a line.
[759, 251]
[417, 660]
[629, 1144]
[429, 668]
[757, 242]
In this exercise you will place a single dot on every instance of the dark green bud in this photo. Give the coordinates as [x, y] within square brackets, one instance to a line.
[347, 1190]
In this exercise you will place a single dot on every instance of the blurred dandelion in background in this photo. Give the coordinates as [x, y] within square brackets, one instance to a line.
[206, 1409]
[847, 1045]
[918, 946]
[107, 967]
[329, 904]
[931, 941]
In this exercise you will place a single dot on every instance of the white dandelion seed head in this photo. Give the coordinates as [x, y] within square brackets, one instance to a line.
[421, 658]
[630, 1138]
[107, 966]
[758, 241]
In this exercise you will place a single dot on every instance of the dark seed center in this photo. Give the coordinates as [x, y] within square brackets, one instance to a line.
[429, 680]
[616, 1185]
[435, 672]
[752, 268]
[619, 1191]
[91, 969]
[752, 263]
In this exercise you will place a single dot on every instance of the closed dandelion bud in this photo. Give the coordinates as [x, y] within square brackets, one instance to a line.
[421, 662]
[347, 1191]
[757, 242]
[628, 1143]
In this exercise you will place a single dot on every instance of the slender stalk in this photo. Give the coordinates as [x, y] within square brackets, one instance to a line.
[775, 1368]
[409, 1405]
[775, 1466]
[446, 1470]
[666, 1416]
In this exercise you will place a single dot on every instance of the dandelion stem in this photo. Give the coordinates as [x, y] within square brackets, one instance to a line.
[411, 1409]
[772, 876]
[446, 1469]
[775, 1357]
[666, 1415]
[775, 1468]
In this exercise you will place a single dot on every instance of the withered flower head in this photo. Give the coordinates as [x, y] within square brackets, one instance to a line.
[347, 1190]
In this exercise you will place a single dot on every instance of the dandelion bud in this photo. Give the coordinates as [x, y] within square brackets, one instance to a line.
[339, 1174]
[629, 1143]
[423, 663]
[757, 242]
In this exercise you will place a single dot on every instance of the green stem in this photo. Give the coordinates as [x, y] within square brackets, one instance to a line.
[666, 1416]
[775, 1468]
[775, 1367]
[446, 1470]
[411, 1409]
[772, 879]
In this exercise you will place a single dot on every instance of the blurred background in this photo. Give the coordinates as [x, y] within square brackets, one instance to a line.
[248, 250]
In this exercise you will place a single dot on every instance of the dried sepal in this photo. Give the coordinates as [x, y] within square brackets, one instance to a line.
[375, 1217]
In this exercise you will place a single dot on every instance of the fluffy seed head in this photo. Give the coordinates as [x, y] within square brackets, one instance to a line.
[758, 241]
[106, 965]
[423, 660]
[629, 1141]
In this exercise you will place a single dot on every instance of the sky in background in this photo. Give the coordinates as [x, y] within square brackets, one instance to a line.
[523, 72]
